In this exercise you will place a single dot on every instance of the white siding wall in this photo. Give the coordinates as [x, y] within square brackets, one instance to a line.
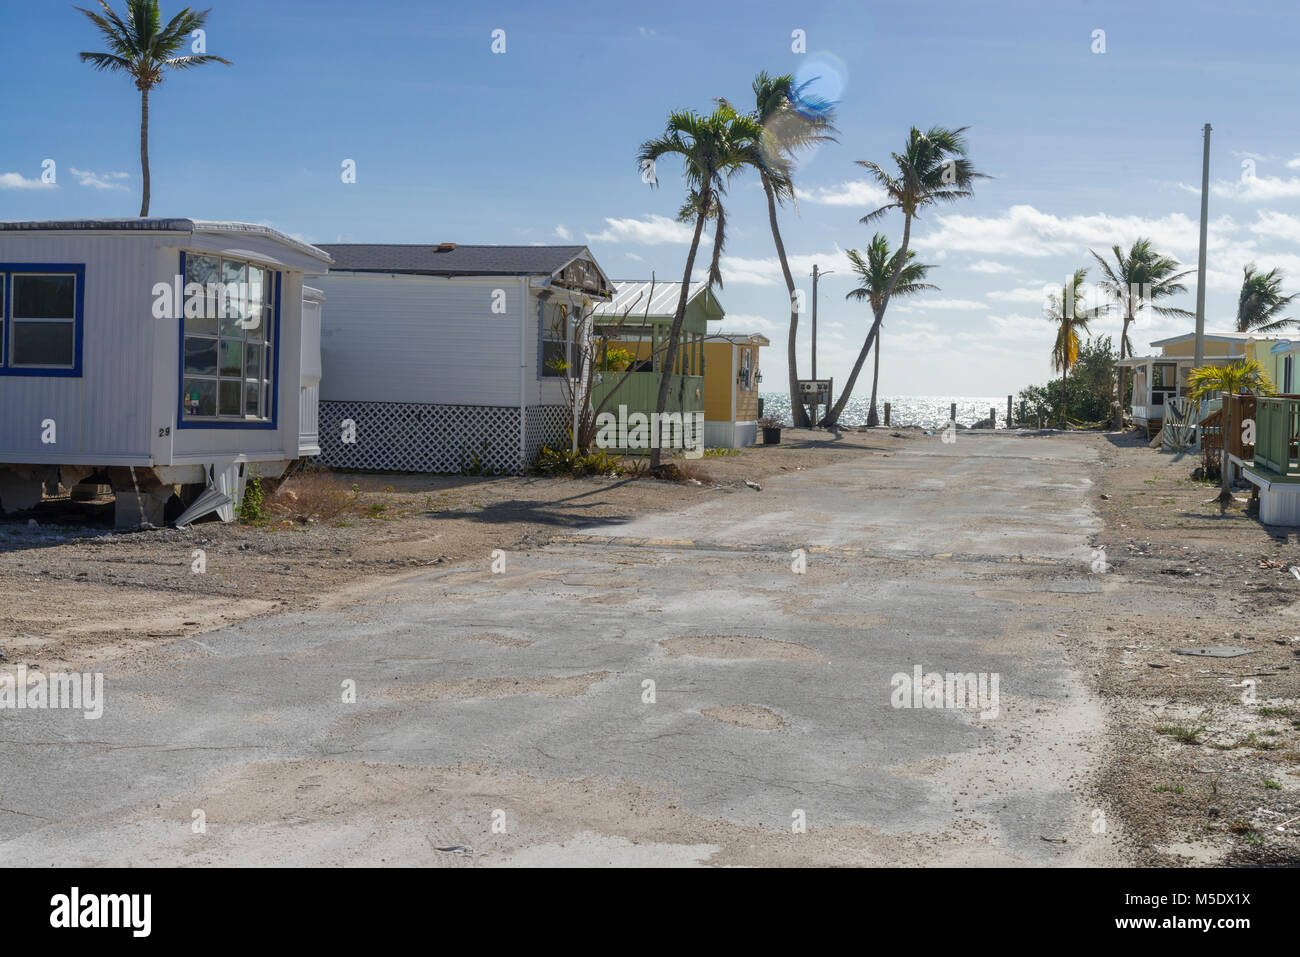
[129, 387]
[424, 339]
[103, 417]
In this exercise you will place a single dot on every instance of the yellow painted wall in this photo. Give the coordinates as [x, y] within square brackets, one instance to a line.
[1212, 348]
[719, 378]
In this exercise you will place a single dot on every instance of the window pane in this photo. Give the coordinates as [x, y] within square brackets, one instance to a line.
[201, 269]
[234, 276]
[253, 367]
[43, 343]
[232, 358]
[200, 356]
[252, 393]
[200, 397]
[228, 396]
[256, 285]
[44, 297]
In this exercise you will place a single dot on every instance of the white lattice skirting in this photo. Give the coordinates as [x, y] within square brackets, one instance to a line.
[412, 437]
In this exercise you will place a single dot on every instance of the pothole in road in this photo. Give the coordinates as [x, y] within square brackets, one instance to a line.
[738, 647]
[746, 716]
[549, 685]
[498, 639]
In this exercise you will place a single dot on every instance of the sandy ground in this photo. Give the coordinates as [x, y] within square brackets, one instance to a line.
[124, 592]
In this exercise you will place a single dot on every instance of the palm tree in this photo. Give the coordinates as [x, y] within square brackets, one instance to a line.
[792, 119]
[1070, 320]
[874, 273]
[142, 48]
[1244, 375]
[1261, 300]
[1134, 280]
[713, 149]
[932, 169]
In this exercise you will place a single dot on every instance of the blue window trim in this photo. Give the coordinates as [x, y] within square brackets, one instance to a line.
[181, 422]
[6, 321]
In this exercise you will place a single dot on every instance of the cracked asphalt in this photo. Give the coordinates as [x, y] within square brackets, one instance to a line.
[661, 692]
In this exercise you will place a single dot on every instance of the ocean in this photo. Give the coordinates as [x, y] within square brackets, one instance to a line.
[927, 411]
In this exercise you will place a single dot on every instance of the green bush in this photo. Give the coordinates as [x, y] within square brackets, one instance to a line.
[1089, 388]
[252, 508]
[565, 461]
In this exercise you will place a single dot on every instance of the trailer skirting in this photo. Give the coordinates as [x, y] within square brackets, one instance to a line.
[419, 437]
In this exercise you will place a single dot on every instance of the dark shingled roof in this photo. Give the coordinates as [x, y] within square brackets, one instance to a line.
[424, 259]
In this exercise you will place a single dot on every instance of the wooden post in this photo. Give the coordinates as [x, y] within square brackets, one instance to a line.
[886, 415]
[1022, 410]
[952, 414]
[993, 418]
[1008, 412]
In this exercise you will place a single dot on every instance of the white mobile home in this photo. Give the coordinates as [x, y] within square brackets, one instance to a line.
[161, 356]
[443, 358]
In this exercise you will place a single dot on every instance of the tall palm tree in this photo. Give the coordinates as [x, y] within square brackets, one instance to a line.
[1244, 375]
[713, 148]
[1261, 300]
[792, 120]
[932, 169]
[874, 273]
[1134, 280]
[1070, 320]
[142, 48]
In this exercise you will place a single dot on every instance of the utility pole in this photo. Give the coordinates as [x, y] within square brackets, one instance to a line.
[1200, 265]
[814, 322]
[816, 273]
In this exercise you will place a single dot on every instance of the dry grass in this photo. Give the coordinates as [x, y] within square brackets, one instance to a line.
[314, 495]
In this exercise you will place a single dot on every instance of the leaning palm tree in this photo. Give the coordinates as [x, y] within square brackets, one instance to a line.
[932, 169]
[792, 119]
[142, 48]
[1207, 382]
[1070, 319]
[874, 272]
[1134, 280]
[1261, 301]
[713, 148]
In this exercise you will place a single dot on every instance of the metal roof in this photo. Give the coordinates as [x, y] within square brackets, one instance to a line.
[162, 225]
[632, 294]
[740, 338]
[424, 259]
[1216, 337]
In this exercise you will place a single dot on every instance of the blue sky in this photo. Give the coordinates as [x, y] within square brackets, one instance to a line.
[536, 145]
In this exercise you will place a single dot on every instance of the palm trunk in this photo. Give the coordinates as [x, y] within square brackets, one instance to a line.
[872, 419]
[1064, 375]
[833, 416]
[798, 414]
[144, 151]
[679, 317]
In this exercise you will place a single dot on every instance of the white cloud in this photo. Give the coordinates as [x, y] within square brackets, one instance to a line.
[18, 181]
[767, 271]
[562, 233]
[925, 304]
[1251, 188]
[988, 265]
[735, 323]
[99, 180]
[1025, 231]
[1293, 163]
[1023, 293]
[1276, 225]
[651, 231]
[857, 192]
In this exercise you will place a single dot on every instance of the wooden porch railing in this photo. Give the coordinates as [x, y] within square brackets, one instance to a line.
[1277, 433]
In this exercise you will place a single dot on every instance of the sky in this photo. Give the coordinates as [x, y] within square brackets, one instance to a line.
[536, 143]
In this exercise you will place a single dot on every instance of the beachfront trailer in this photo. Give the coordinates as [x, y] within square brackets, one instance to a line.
[634, 327]
[731, 378]
[163, 357]
[449, 358]
[1161, 381]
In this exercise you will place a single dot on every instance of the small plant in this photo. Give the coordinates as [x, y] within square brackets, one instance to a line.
[1272, 785]
[565, 461]
[1275, 712]
[376, 509]
[720, 453]
[1180, 734]
[1241, 826]
[252, 507]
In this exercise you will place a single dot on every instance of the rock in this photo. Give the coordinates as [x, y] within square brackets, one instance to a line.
[754, 485]
[982, 424]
